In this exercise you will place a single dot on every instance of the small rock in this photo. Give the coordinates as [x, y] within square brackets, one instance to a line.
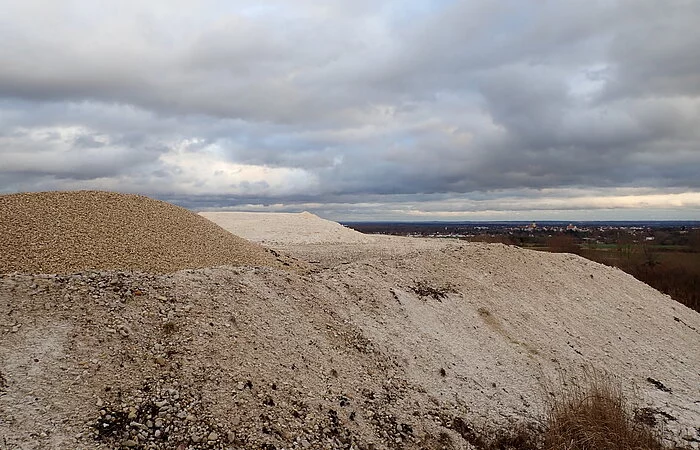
[130, 443]
[213, 436]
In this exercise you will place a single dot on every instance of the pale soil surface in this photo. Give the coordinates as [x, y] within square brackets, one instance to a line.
[286, 228]
[388, 343]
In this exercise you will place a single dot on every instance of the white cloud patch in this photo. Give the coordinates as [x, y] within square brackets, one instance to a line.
[205, 171]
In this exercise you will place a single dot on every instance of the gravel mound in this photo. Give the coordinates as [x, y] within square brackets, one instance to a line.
[286, 228]
[428, 346]
[64, 232]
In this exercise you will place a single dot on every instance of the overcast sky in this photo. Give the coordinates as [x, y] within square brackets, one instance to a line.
[359, 109]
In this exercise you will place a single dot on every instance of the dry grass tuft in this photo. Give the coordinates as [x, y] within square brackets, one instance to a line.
[589, 412]
[593, 414]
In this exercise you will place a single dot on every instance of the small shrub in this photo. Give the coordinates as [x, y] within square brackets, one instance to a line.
[593, 414]
[589, 412]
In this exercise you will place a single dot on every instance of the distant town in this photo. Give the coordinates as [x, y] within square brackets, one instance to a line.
[538, 233]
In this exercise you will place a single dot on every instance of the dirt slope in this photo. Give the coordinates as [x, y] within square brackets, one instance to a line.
[64, 232]
[397, 343]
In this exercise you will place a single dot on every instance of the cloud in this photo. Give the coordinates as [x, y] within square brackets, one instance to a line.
[354, 103]
[69, 152]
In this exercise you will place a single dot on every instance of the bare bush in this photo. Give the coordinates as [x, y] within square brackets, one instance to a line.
[593, 414]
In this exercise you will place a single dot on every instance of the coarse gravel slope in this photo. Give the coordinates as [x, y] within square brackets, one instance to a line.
[64, 232]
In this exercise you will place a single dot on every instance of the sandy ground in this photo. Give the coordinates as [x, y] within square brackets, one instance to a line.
[384, 343]
[286, 228]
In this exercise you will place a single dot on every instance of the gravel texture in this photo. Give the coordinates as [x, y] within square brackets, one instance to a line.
[65, 232]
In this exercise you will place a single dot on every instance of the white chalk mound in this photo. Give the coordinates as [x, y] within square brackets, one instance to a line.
[286, 228]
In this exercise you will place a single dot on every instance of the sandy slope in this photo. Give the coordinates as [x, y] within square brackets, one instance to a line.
[285, 228]
[346, 356]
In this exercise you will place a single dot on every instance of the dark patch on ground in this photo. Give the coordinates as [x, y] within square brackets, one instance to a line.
[659, 385]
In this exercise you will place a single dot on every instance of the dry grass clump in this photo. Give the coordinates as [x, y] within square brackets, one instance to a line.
[589, 412]
[594, 414]
[64, 232]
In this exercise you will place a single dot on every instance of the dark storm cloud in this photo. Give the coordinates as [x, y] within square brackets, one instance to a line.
[656, 54]
[213, 103]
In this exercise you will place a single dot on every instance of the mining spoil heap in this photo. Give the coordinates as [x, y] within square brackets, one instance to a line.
[64, 232]
[385, 343]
